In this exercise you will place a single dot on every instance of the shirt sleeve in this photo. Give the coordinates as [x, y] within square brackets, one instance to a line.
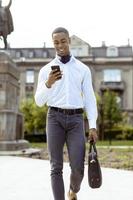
[89, 99]
[42, 92]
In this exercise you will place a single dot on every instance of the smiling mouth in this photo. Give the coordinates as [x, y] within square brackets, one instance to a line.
[61, 52]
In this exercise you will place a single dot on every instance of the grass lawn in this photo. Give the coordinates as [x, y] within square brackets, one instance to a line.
[99, 143]
[116, 143]
[120, 158]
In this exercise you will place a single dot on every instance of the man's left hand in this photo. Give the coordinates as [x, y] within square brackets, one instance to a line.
[93, 135]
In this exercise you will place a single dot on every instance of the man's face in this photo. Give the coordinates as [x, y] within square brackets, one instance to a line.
[61, 43]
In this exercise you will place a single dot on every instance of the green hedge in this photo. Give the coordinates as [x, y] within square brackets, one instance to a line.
[35, 137]
[115, 134]
[119, 134]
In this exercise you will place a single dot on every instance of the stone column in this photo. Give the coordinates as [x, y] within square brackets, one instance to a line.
[11, 120]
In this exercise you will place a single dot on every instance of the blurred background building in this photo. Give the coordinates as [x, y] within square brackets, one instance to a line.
[111, 67]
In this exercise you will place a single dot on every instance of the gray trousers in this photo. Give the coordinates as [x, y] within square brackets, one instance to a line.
[69, 129]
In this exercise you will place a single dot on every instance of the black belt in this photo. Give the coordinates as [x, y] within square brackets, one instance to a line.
[68, 111]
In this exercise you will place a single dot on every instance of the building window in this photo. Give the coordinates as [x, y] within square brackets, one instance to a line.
[44, 54]
[31, 54]
[112, 51]
[29, 91]
[29, 95]
[30, 76]
[77, 51]
[18, 54]
[112, 75]
[74, 51]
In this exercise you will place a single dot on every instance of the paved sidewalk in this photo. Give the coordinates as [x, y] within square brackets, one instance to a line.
[29, 179]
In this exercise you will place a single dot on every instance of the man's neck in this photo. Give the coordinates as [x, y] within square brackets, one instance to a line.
[64, 59]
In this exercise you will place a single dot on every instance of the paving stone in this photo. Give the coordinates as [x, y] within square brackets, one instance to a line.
[29, 179]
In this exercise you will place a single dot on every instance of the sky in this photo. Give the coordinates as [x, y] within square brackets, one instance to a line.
[93, 21]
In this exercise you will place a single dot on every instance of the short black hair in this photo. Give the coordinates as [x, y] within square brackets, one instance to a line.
[60, 30]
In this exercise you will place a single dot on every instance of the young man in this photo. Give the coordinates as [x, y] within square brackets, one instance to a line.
[67, 93]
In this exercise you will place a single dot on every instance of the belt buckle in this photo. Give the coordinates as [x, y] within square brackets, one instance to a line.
[67, 111]
[71, 112]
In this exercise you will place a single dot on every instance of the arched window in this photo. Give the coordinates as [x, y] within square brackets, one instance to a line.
[112, 51]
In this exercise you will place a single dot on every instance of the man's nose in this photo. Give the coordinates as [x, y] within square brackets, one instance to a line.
[60, 45]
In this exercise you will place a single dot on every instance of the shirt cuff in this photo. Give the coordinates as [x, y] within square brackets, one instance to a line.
[47, 85]
[92, 123]
[42, 95]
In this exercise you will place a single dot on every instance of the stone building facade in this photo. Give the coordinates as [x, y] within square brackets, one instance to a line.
[111, 67]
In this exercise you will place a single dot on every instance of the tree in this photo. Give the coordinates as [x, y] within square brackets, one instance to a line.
[34, 116]
[110, 111]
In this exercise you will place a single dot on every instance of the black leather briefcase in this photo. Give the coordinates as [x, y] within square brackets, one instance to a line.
[94, 169]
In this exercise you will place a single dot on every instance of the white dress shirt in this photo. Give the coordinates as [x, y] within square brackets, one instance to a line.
[73, 90]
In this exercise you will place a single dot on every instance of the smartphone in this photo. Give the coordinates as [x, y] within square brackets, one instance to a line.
[57, 67]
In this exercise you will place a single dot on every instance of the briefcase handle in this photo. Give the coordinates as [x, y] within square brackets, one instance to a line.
[92, 146]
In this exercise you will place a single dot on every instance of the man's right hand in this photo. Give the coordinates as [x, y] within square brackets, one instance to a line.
[93, 135]
[53, 77]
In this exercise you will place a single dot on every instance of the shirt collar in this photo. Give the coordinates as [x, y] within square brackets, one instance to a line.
[71, 59]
